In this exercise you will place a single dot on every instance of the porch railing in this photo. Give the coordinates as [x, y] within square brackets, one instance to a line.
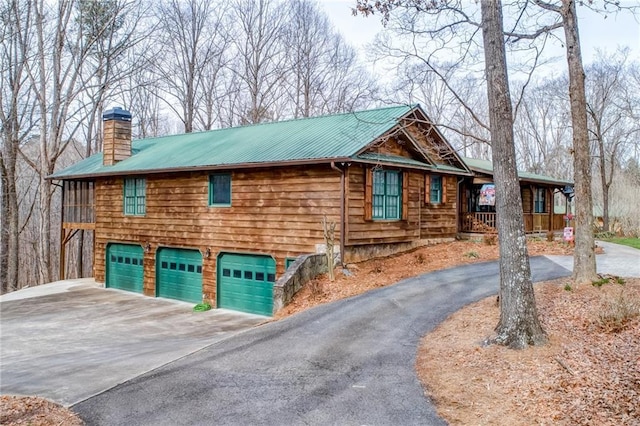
[480, 222]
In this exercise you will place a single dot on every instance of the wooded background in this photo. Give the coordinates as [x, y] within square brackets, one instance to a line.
[191, 65]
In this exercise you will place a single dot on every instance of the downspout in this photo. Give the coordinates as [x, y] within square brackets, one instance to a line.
[342, 218]
[458, 204]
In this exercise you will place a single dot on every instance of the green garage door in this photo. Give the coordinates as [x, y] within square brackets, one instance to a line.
[179, 274]
[124, 267]
[245, 283]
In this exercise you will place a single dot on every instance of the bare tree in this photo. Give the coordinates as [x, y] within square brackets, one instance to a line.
[584, 268]
[260, 58]
[612, 125]
[323, 73]
[193, 38]
[542, 133]
[519, 325]
[15, 120]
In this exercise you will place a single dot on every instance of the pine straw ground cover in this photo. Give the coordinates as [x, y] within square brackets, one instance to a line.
[33, 411]
[588, 373]
[376, 273]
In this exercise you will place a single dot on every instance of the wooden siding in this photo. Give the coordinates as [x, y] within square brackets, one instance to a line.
[275, 212]
[440, 220]
[392, 146]
[423, 220]
[365, 231]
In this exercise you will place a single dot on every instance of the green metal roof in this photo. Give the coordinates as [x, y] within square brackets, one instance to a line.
[485, 166]
[326, 138]
[404, 161]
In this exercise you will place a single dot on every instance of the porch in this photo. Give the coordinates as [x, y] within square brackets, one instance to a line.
[485, 222]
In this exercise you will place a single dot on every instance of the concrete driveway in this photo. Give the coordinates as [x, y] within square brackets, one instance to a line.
[70, 340]
[351, 362]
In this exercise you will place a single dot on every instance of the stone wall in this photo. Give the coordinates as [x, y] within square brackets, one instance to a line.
[355, 254]
[304, 269]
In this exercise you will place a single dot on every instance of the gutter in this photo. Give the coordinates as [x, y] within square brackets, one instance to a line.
[342, 210]
[229, 166]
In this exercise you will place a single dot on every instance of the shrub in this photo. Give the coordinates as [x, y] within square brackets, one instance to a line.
[420, 258]
[316, 287]
[490, 239]
[568, 287]
[618, 313]
[551, 236]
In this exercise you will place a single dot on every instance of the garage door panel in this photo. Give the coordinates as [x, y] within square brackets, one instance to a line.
[179, 274]
[125, 269]
[245, 283]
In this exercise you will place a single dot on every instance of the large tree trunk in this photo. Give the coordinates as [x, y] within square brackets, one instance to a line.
[519, 325]
[584, 260]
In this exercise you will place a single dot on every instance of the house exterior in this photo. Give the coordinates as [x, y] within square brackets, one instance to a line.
[217, 216]
[545, 200]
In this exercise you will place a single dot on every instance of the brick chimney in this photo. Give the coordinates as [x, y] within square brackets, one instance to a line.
[116, 144]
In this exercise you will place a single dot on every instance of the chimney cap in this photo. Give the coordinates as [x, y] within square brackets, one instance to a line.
[116, 113]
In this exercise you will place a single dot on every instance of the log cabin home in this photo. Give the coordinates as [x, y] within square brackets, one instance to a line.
[218, 216]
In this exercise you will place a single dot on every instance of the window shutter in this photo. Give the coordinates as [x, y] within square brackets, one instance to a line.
[444, 189]
[405, 195]
[427, 189]
[368, 193]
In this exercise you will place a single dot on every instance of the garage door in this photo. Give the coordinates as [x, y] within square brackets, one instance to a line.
[124, 267]
[179, 274]
[245, 283]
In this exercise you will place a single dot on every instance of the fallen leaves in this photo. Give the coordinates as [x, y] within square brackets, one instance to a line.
[34, 411]
[585, 375]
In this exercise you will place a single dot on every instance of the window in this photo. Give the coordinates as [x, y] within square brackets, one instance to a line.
[539, 200]
[387, 194]
[435, 190]
[220, 189]
[288, 262]
[134, 197]
[559, 203]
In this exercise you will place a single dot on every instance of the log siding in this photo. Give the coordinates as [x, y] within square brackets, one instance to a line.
[276, 212]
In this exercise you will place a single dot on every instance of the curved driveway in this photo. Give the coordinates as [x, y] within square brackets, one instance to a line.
[350, 362]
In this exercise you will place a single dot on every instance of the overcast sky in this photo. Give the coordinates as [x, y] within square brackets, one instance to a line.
[596, 31]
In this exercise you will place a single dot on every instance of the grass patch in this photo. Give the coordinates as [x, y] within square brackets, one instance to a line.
[600, 282]
[631, 242]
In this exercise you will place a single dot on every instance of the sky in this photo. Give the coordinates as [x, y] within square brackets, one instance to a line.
[596, 31]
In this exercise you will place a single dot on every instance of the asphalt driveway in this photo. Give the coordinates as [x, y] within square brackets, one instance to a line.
[349, 362]
[70, 340]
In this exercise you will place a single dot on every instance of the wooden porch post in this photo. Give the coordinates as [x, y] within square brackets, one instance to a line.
[62, 236]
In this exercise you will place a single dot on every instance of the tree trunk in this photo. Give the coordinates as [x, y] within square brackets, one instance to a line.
[605, 192]
[10, 226]
[584, 260]
[519, 325]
